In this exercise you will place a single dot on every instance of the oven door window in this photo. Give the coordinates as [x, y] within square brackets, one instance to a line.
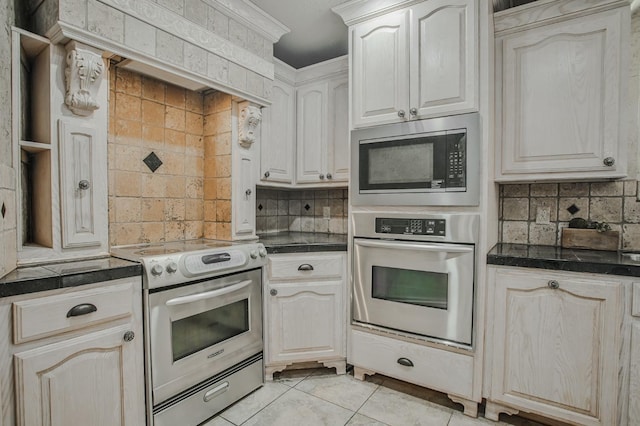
[422, 288]
[194, 333]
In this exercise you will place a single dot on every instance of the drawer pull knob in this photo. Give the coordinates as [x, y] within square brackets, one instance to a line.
[82, 309]
[273, 292]
[305, 267]
[553, 284]
[609, 161]
[405, 361]
[129, 336]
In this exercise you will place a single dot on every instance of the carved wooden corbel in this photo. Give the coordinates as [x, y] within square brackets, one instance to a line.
[248, 123]
[83, 74]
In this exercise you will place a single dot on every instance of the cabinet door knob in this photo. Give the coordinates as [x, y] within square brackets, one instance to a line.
[401, 113]
[405, 361]
[553, 284]
[273, 292]
[129, 336]
[413, 111]
[305, 267]
[83, 184]
[609, 161]
[321, 177]
[267, 174]
[247, 192]
[81, 309]
[329, 176]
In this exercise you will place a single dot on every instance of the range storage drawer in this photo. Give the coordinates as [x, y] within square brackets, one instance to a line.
[50, 315]
[306, 266]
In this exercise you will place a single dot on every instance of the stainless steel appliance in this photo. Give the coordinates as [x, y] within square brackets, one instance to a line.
[425, 162]
[414, 273]
[203, 326]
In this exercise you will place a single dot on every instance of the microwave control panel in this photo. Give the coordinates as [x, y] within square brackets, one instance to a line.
[411, 226]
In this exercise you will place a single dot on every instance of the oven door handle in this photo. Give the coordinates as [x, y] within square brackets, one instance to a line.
[208, 294]
[447, 248]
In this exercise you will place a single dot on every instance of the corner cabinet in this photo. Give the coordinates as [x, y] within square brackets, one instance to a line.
[305, 139]
[94, 375]
[634, 368]
[566, 119]
[415, 63]
[305, 312]
[556, 340]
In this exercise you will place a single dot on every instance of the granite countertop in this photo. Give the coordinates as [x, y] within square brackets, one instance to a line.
[563, 259]
[302, 242]
[32, 279]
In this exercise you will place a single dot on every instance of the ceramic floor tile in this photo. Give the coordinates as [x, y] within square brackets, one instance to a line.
[459, 419]
[398, 409]
[296, 408]
[254, 402]
[360, 420]
[217, 421]
[342, 390]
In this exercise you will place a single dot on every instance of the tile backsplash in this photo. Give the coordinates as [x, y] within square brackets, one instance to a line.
[317, 210]
[535, 213]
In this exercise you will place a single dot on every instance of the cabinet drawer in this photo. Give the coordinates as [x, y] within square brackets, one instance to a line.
[635, 306]
[47, 316]
[445, 371]
[306, 266]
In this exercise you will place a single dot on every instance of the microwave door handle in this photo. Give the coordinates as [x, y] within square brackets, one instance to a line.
[208, 294]
[447, 248]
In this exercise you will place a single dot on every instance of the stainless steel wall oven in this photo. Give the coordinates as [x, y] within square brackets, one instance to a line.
[414, 273]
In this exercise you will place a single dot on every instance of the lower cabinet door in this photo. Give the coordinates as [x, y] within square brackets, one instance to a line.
[556, 341]
[96, 379]
[306, 321]
[634, 382]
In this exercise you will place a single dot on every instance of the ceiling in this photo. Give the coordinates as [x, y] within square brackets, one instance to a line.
[317, 34]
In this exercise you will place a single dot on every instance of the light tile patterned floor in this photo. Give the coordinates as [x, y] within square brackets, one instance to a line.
[320, 398]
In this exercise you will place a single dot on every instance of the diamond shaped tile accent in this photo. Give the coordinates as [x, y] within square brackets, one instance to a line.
[307, 207]
[3, 210]
[260, 207]
[152, 161]
[573, 209]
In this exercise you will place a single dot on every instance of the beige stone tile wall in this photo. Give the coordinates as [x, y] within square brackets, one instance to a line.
[147, 115]
[611, 202]
[217, 169]
[302, 211]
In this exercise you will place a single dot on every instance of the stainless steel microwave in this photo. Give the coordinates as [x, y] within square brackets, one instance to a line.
[433, 162]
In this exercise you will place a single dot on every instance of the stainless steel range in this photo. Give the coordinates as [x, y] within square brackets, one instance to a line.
[203, 326]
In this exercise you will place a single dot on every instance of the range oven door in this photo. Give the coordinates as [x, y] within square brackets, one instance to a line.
[199, 329]
[415, 287]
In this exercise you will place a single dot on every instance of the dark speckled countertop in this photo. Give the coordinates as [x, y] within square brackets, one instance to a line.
[302, 242]
[32, 279]
[562, 259]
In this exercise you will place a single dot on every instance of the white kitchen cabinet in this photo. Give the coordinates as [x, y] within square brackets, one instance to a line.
[95, 375]
[61, 155]
[415, 63]
[634, 367]
[556, 340]
[560, 87]
[279, 135]
[307, 127]
[305, 309]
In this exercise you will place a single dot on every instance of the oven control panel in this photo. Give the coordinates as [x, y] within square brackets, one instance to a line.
[435, 227]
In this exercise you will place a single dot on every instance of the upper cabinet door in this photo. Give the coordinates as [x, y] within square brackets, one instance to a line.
[380, 70]
[562, 91]
[338, 128]
[312, 133]
[279, 132]
[443, 57]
